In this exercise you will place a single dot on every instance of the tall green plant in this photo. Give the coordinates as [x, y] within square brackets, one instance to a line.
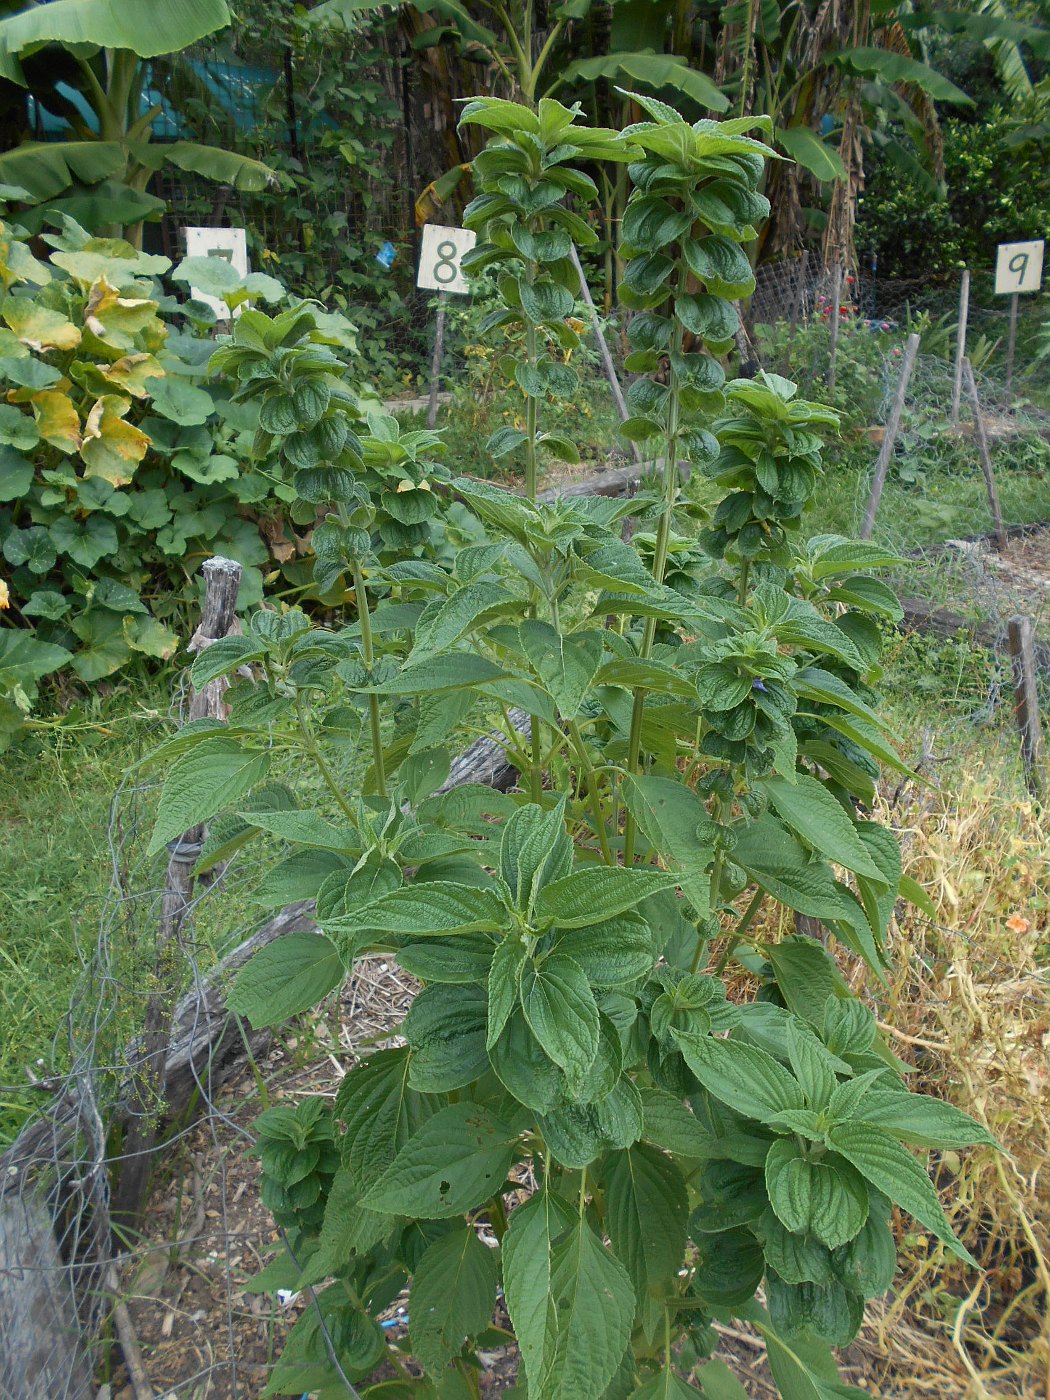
[579, 1111]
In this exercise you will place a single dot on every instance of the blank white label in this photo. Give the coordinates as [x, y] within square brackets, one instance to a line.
[440, 256]
[1019, 267]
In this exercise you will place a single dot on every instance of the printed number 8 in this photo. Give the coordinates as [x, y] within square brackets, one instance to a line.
[1019, 264]
[445, 269]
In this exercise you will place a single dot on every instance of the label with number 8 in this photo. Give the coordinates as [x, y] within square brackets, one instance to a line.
[441, 257]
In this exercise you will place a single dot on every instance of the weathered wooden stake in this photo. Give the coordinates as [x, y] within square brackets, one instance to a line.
[960, 345]
[986, 457]
[833, 347]
[435, 363]
[893, 423]
[222, 579]
[1021, 632]
[1011, 344]
[603, 349]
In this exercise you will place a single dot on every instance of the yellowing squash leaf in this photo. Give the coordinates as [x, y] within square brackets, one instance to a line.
[39, 327]
[57, 419]
[112, 448]
[131, 372]
[118, 321]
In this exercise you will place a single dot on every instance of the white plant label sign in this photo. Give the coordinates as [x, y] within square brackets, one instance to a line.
[440, 256]
[1019, 267]
[228, 243]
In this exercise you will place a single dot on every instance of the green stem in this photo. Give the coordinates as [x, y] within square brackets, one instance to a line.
[745, 570]
[593, 790]
[742, 927]
[663, 540]
[313, 748]
[373, 700]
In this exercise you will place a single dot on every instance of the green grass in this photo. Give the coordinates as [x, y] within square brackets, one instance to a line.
[55, 870]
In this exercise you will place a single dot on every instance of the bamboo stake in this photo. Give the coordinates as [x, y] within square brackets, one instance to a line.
[603, 349]
[893, 423]
[986, 456]
[1021, 633]
[833, 349]
[960, 345]
[435, 363]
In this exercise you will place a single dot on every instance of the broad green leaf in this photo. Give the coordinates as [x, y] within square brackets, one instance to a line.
[893, 67]
[457, 959]
[518, 1060]
[806, 147]
[595, 893]
[210, 777]
[527, 1249]
[593, 1308]
[435, 906]
[743, 1077]
[452, 1296]
[565, 663]
[891, 1168]
[825, 1198]
[445, 1030]
[921, 1120]
[647, 1211]
[442, 625]
[535, 849]
[306, 829]
[560, 1008]
[778, 861]
[504, 981]
[451, 671]
[455, 1162]
[813, 813]
[24, 660]
[805, 1370]
[381, 1112]
[670, 1124]
[675, 822]
[611, 953]
[297, 877]
[289, 975]
[717, 1381]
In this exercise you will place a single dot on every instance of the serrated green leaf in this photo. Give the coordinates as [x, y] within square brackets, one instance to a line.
[380, 1110]
[202, 782]
[596, 893]
[289, 975]
[560, 1008]
[647, 1211]
[452, 1296]
[826, 1198]
[743, 1077]
[813, 813]
[675, 822]
[891, 1168]
[452, 1164]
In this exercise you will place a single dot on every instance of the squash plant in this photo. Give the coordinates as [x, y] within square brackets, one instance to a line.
[591, 1128]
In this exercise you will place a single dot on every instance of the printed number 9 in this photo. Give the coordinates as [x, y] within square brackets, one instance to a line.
[445, 269]
[1019, 264]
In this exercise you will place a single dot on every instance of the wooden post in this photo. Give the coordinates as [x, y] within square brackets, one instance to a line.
[986, 457]
[42, 1351]
[893, 423]
[435, 363]
[1021, 633]
[1011, 344]
[833, 346]
[222, 579]
[603, 349]
[960, 345]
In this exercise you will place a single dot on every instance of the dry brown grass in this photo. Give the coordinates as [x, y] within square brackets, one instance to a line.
[969, 1007]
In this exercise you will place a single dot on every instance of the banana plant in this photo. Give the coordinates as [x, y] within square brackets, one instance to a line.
[101, 178]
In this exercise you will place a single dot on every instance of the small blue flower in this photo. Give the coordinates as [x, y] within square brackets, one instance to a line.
[758, 685]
